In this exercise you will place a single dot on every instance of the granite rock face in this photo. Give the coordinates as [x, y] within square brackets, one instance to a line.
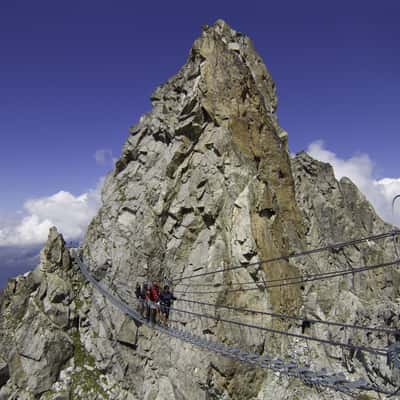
[41, 353]
[204, 181]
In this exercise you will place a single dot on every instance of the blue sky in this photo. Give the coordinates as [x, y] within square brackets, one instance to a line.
[75, 75]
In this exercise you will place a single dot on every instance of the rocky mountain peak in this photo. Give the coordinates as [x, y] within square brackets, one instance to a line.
[224, 40]
[210, 147]
[204, 183]
[224, 83]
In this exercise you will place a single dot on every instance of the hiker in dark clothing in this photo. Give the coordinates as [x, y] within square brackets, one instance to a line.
[166, 298]
[140, 293]
[138, 290]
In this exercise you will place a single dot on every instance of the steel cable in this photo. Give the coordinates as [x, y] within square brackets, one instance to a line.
[296, 280]
[296, 318]
[293, 255]
[367, 349]
[337, 382]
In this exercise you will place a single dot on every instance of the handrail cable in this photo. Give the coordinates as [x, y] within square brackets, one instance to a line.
[263, 283]
[299, 279]
[293, 255]
[373, 350]
[296, 318]
[303, 374]
[335, 381]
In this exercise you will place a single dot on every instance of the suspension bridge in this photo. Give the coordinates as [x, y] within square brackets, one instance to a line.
[202, 311]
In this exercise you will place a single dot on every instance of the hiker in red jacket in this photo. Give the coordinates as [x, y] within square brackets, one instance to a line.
[154, 301]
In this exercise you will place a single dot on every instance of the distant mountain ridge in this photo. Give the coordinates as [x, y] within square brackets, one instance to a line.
[17, 260]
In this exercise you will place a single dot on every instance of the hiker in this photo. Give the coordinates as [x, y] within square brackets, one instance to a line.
[166, 298]
[154, 301]
[146, 294]
[140, 293]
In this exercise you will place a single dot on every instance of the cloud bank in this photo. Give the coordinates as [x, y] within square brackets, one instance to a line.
[70, 214]
[361, 170]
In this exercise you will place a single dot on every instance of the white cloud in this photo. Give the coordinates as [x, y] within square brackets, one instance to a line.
[70, 214]
[360, 169]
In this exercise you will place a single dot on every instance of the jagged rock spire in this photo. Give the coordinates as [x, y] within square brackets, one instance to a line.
[224, 81]
[210, 142]
[54, 254]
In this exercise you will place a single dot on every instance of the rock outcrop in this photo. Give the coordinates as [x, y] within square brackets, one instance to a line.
[204, 181]
[42, 355]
